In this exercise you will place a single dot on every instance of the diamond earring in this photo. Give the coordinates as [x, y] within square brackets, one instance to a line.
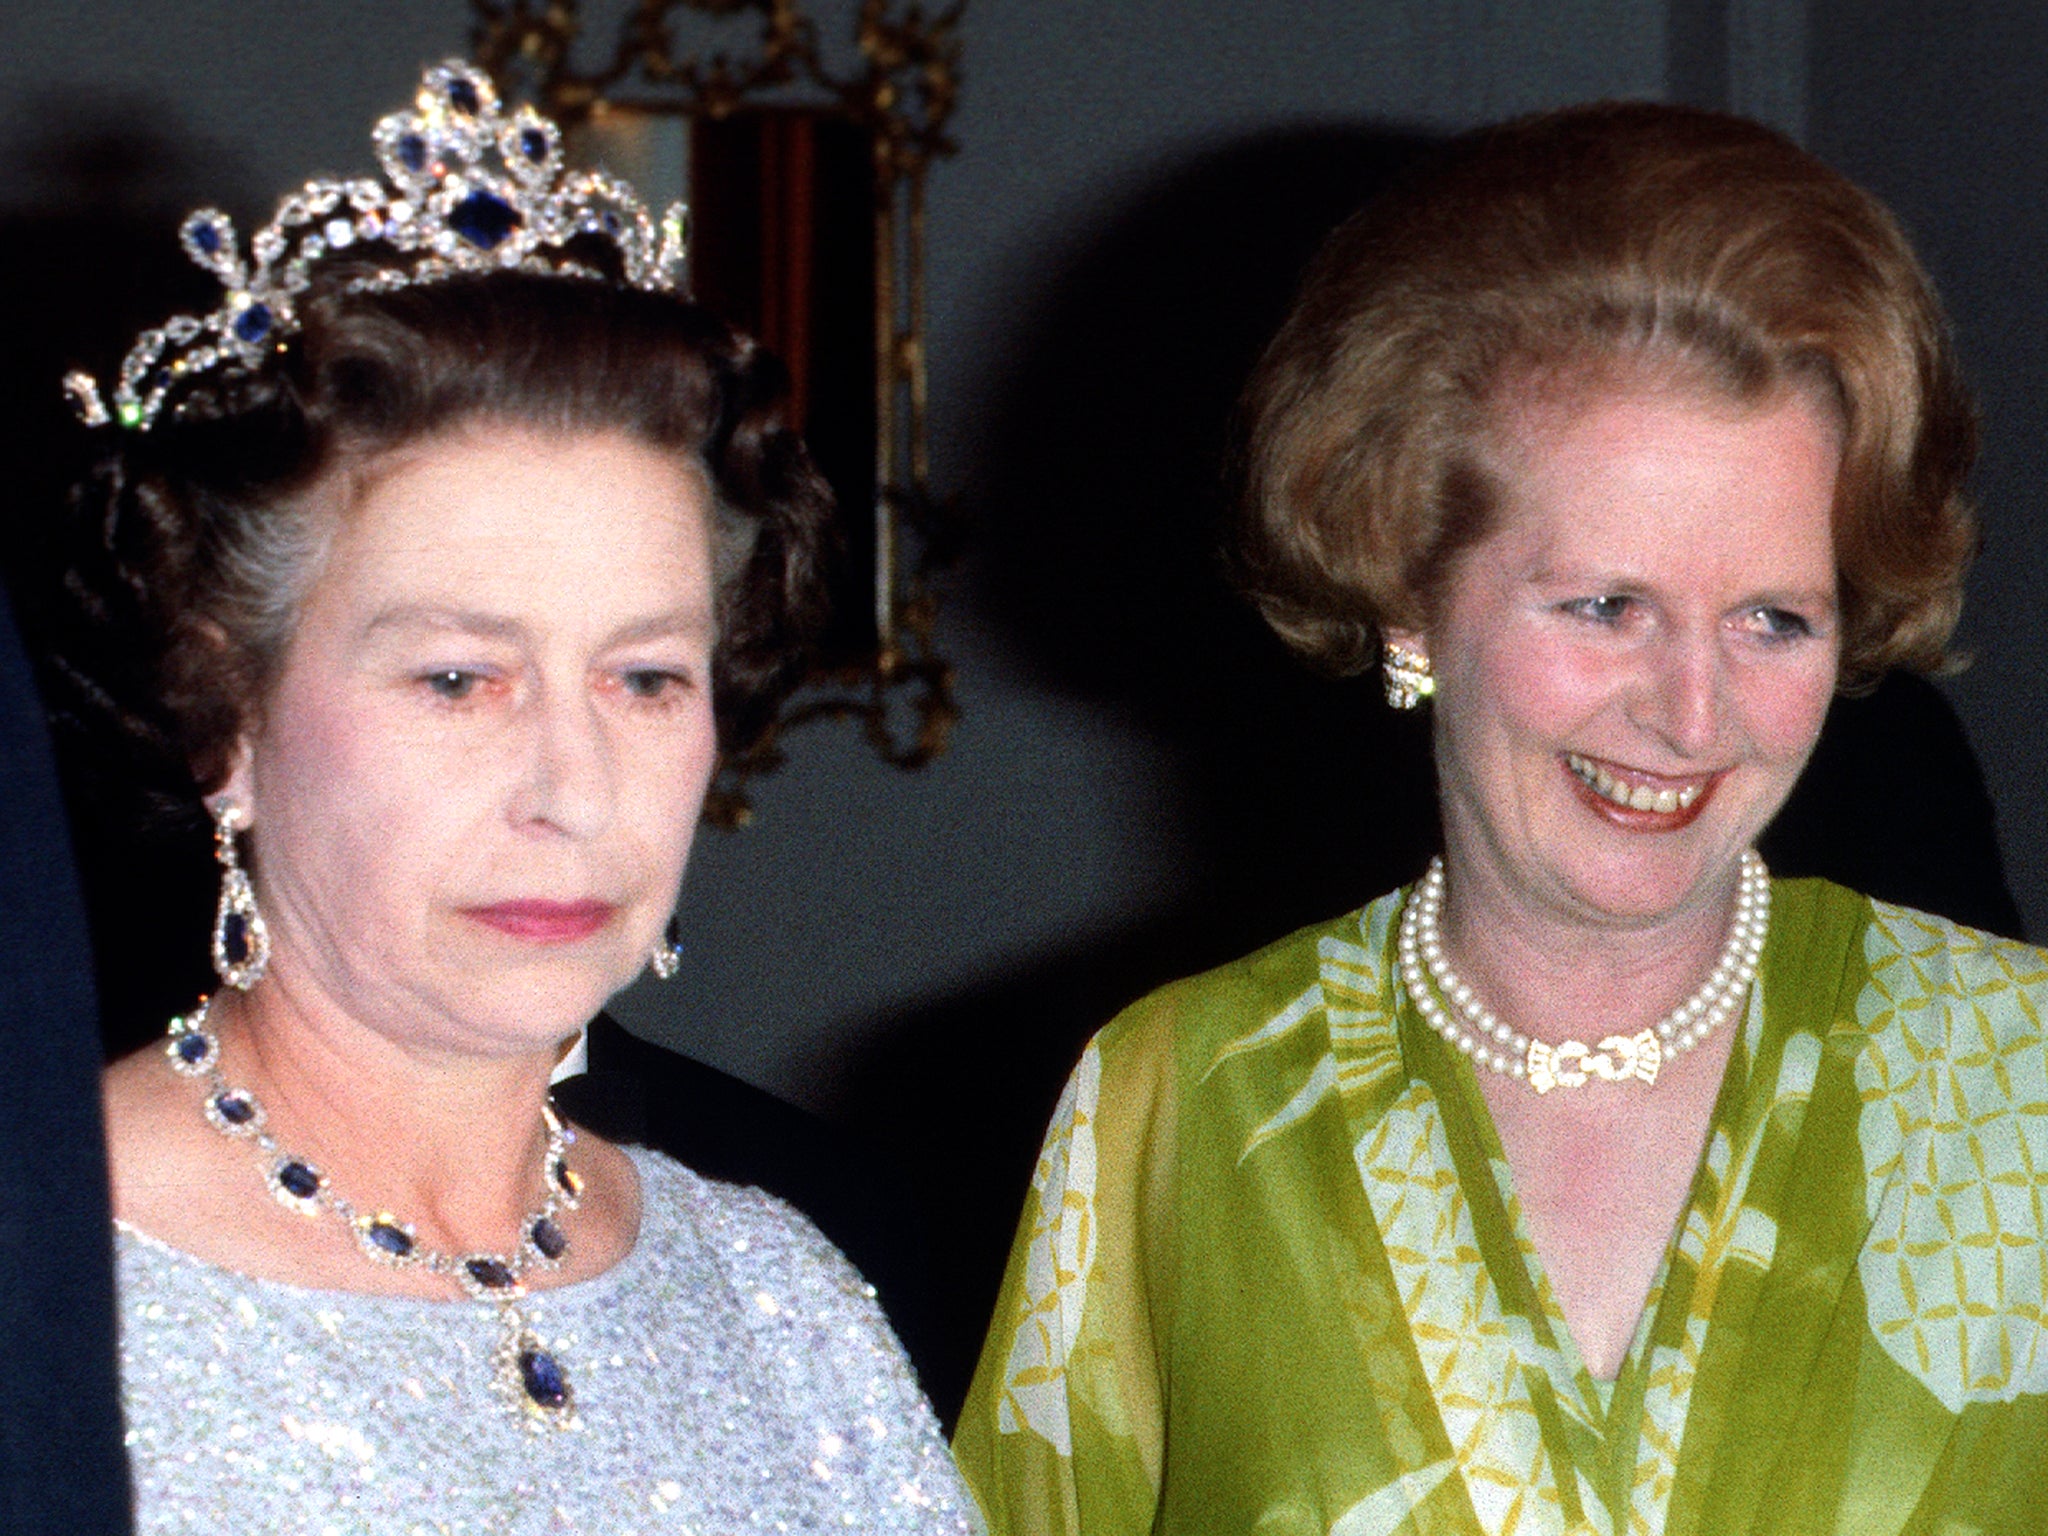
[1406, 673]
[667, 958]
[241, 942]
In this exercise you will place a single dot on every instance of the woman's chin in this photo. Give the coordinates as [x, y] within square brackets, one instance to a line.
[1645, 884]
[559, 982]
[531, 1008]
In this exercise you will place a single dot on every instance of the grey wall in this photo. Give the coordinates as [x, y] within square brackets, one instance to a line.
[1938, 111]
[1075, 811]
[253, 97]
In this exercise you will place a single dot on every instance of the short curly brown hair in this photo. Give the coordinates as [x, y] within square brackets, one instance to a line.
[201, 539]
[1579, 238]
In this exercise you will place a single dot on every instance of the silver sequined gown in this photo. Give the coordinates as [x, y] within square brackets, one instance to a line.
[731, 1374]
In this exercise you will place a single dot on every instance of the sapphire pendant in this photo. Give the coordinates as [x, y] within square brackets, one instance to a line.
[530, 1377]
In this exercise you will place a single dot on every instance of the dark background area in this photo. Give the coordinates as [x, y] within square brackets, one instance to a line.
[1143, 783]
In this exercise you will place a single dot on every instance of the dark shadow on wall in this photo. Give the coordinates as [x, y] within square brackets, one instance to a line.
[1097, 495]
[85, 268]
[1943, 120]
[1100, 488]
[81, 270]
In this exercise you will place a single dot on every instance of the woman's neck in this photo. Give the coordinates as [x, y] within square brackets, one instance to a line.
[452, 1143]
[1555, 974]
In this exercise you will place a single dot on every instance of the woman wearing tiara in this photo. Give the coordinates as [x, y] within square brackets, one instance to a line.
[1595, 1183]
[455, 543]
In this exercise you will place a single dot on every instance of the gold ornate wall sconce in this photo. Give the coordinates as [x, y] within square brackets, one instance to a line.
[806, 187]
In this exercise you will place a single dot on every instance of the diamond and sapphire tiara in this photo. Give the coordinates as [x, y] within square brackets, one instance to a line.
[443, 205]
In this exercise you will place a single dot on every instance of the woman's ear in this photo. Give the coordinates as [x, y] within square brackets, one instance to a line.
[1410, 640]
[1404, 667]
[239, 787]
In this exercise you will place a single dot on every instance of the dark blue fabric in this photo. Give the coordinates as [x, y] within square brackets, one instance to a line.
[63, 1471]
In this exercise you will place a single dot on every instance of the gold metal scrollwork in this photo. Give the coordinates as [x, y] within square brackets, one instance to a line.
[903, 92]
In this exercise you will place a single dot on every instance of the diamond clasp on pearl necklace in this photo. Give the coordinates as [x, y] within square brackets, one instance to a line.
[1572, 1063]
[1451, 1008]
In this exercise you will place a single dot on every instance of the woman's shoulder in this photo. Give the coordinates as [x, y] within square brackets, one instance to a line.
[811, 1314]
[1910, 971]
[1276, 987]
[1816, 910]
[754, 1237]
[169, 1172]
[1929, 958]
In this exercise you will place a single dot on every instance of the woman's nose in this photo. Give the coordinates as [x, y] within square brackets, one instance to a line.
[1682, 698]
[569, 774]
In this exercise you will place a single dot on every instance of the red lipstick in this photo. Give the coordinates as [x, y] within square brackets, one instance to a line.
[545, 922]
[1633, 818]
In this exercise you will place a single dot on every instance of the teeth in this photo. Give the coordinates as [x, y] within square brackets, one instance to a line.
[1639, 797]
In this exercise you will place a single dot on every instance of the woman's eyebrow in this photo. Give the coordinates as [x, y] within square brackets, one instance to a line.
[689, 623]
[434, 616]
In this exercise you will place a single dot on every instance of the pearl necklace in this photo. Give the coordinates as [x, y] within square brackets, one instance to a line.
[527, 1374]
[1501, 1048]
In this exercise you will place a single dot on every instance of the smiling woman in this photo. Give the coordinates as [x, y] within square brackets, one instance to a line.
[454, 545]
[1649, 634]
[1596, 1182]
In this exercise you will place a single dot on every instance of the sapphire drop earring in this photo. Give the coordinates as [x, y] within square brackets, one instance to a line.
[241, 943]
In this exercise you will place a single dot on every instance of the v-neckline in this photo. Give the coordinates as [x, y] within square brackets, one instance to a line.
[1453, 1073]
[1610, 1413]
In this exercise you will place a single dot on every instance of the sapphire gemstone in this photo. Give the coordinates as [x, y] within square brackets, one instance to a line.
[484, 220]
[613, 224]
[534, 145]
[542, 1378]
[298, 1180]
[253, 324]
[234, 928]
[463, 98]
[491, 1274]
[207, 238]
[390, 1237]
[193, 1049]
[234, 1107]
[548, 1239]
[412, 152]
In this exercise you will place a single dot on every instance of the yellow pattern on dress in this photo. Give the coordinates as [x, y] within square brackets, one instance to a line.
[1727, 1232]
[1475, 1355]
[1955, 1145]
[1060, 1255]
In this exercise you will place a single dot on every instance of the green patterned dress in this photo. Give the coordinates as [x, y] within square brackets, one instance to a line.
[1272, 1276]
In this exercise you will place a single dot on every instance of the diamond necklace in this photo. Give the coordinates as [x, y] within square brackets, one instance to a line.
[525, 1373]
[1570, 1064]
